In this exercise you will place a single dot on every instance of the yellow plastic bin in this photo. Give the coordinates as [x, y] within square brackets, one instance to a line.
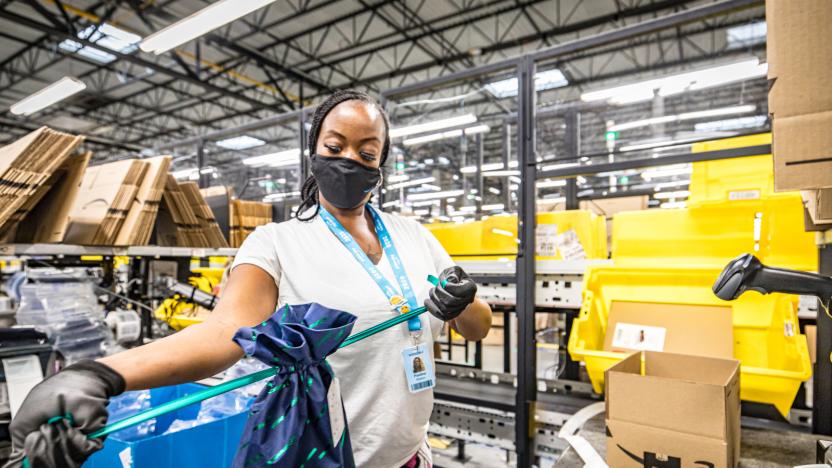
[767, 342]
[710, 235]
[496, 236]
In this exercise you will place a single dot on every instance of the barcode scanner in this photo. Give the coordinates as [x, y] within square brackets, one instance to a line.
[747, 273]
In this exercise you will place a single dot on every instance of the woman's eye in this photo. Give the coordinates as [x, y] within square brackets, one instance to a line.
[368, 156]
[333, 148]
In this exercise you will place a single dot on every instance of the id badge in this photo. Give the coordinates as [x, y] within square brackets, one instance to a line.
[418, 367]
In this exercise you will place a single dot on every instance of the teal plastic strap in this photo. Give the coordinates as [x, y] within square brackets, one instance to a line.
[225, 387]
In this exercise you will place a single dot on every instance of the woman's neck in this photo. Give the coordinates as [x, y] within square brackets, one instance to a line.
[347, 217]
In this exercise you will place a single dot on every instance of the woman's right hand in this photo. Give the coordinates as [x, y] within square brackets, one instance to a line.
[50, 428]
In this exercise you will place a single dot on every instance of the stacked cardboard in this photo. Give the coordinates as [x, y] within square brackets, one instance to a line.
[44, 216]
[208, 225]
[26, 165]
[141, 215]
[106, 196]
[245, 217]
[179, 225]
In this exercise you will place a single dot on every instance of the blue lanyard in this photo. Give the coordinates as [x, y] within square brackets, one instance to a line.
[396, 299]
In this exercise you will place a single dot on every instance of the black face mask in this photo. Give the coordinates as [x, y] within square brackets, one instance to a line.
[344, 182]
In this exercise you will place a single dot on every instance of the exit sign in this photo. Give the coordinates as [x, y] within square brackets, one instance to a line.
[611, 135]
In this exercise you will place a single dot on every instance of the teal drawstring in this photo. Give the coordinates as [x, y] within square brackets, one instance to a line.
[225, 387]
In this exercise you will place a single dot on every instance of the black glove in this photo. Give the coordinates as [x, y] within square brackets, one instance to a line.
[448, 301]
[79, 396]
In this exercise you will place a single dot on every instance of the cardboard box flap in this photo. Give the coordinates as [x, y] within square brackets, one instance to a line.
[702, 330]
[691, 368]
[683, 406]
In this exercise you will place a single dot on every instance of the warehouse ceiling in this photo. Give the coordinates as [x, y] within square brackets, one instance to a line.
[292, 53]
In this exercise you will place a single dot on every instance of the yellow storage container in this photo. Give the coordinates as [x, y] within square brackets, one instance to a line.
[711, 234]
[496, 236]
[773, 354]
[738, 179]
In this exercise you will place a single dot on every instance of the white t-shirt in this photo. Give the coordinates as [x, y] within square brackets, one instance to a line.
[387, 423]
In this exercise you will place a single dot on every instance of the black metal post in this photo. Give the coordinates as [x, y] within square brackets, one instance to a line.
[506, 341]
[506, 156]
[200, 163]
[573, 148]
[571, 369]
[480, 184]
[822, 391]
[304, 160]
[526, 349]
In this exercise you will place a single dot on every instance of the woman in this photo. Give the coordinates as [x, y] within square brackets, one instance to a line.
[297, 262]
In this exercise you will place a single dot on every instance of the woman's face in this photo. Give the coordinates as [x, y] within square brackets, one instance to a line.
[353, 129]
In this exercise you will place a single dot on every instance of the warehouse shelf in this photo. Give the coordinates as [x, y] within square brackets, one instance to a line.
[37, 250]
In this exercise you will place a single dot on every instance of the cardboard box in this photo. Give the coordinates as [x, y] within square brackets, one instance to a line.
[137, 227]
[811, 332]
[676, 410]
[818, 205]
[607, 207]
[800, 98]
[676, 328]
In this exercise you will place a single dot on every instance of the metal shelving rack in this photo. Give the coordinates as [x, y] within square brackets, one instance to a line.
[141, 258]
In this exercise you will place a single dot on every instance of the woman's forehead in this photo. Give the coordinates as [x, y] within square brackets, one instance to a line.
[356, 114]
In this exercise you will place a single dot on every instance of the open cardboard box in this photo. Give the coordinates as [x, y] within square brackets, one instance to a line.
[677, 410]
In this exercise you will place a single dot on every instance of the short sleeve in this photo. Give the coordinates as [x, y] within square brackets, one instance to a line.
[440, 257]
[260, 249]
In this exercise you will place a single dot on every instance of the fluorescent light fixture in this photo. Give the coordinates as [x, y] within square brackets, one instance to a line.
[554, 199]
[487, 167]
[105, 35]
[680, 83]
[435, 195]
[185, 173]
[505, 173]
[431, 187]
[552, 167]
[421, 212]
[242, 142]
[54, 93]
[391, 203]
[411, 183]
[746, 35]
[200, 23]
[433, 125]
[656, 144]
[685, 116]
[673, 205]
[669, 171]
[280, 196]
[731, 124]
[668, 195]
[443, 135]
[280, 159]
[443, 218]
[467, 209]
[514, 179]
[398, 178]
[494, 190]
[675, 183]
[432, 137]
[544, 80]
[458, 219]
[551, 183]
[493, 207]
[425, 203]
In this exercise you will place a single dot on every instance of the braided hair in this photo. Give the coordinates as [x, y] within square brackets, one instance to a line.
[309, 192]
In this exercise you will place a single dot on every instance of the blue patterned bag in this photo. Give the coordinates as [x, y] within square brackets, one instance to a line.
[290, 422]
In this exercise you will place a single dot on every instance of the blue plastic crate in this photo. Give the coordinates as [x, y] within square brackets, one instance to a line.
[212, 444]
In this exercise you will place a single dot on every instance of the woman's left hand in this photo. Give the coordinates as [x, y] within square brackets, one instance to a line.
[448, 301]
